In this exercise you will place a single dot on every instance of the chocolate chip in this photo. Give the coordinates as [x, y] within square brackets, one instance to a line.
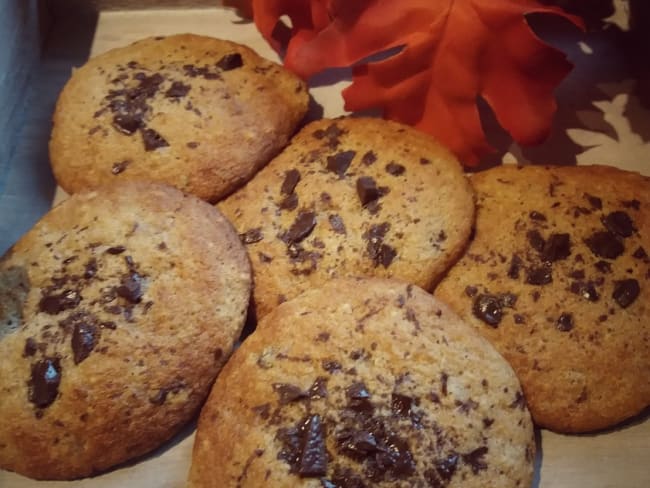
[30, 347]
[515, 267]
[230, 61]
[425, 161]
[127, 123]
[131, 287]
[556, 248]
[475, 459]
[319, 388]
[313, 454]
[84, 340]
[336, 222]
[367, 190]
[537, 216]
[635, 204]
[357, 391]
[288, 393]
[290, 202]
[160, 397]
[192, 144]
[471, 291]
[116, 250]
[626, 292]
[379, 252]
[54, 304]
[519, 319]
[401, 404]
[44, 382]
[488, 308]
[369, 158]
[603, 266]
[119, 167]
[585, 289]
[605, 244]
[640, 253]
[595, 202]
[251, 236]
[291, 179]
[619, 223]
[444, 471]
[331, 366]
[340, 162]
[153, 140]
[536, 240]
[177, 90]
[395, 169]
[564, 322]
[301, 228]
[539, 276]
[508, 299]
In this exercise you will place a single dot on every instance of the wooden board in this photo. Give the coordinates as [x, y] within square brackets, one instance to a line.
[619, 458]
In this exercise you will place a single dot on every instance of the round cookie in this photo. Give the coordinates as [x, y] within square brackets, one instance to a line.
[117, 310]
[352, 196]
[557, 277]
[370, 381]
[198, 113]
[364, 382]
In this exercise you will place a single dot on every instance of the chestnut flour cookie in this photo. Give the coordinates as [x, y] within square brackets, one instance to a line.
[117, 310]
[198, 113]
[364, 383]
[558, 278]
[352, 196]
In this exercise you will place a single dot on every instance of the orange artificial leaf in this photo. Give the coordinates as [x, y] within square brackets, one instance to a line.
[450, 53]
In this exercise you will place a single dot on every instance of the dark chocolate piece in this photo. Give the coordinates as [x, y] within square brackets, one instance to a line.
[539, 276]
[395, 169]
[475, 459]
[54, 304]
[177, 90]
[119, 167]
[336, 222]
[230, 61]
[288, 393]
[536, 240]
[565, 322]
[556, 248]
[619, 223]
[537, 216]
[153, 140]
[626, 292]
[131, 287]
[340, 162]
[488, 308]
[44, 382]
[369, 158]
[595, 202]
[251, 236]
[84, 339]
[291, 179]
[605, 245]
[301, 228]
[367, 190]
[313, 454]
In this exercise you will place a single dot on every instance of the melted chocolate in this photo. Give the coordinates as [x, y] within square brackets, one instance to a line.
[556, 248]
[177, 90]
[516, 264]
[539, 276]
[626, 292]
[488, 308]
[54, 304]
[619, 223]
[536, 240]
[565, 322]
[44, 382]
[475, 459]
[605, 245]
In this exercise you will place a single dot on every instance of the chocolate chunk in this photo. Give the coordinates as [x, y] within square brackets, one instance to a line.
[84, 339]
[131, 287]
[539, 276]
[595, 202]
[508, 299]
[626, 292]
[313, 455]
[288, 393]
[603, 266]
[119, 167]
[90, 269]
[475, 459]
[488, 308]
[556, 248]
[425, 161]
[336, 222]
[446, 467]
[635, 204]
[619, 223]
[401, 404]
[565, 322]
[251, 236]
[379, 252]
[515, 267]
[290, 202]
[578, 274]
[369, 158]
[605, 244]
[30, 347]
[640, 253]
[160, 397]
[301, 228]
[54, 304]
[357, 391]
[177, 90]
[127, 123]
[291, 179]
[319, 388]
[230, 61]
[471, 291]
[44, 382]
[585, 289]
[536, 240]
[116, 250]
[153, 140]
[367, 190]
[340, 162]
[331, 366]
[537, 216]
[395, 169]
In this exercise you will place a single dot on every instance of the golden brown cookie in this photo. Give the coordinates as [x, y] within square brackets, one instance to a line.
[198, 113]
[558, 278]
[117, 310]
[352, 196]
[364, 382]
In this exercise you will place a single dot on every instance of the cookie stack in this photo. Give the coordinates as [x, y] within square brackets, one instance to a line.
[407, 317]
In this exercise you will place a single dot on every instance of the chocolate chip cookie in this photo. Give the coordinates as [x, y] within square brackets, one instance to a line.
[117, 310]
[198, 113]
[558, 278]
[352, 196]
[364, 382]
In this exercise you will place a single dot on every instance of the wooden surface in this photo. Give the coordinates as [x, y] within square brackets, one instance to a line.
[601, 131]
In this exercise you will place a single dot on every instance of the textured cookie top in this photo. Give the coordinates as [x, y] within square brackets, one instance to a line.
[198, 113]
[363, 383]
[352, 197]
[558, 278]
[117, 310]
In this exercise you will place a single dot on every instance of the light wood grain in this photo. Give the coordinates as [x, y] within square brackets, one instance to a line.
[616, 459]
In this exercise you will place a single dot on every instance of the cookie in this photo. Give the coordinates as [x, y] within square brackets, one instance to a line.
[558, 279]
[117, 310]
[352, 196]
[364, 382]
[198, 113]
